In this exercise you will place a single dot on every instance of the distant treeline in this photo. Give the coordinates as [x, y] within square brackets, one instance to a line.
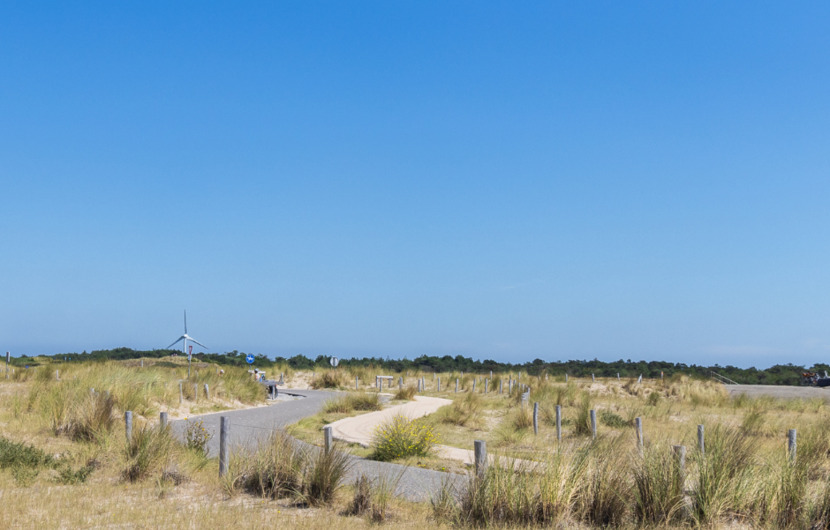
[780, 374]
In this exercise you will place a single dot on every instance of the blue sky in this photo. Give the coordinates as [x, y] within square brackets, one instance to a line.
[500, 180]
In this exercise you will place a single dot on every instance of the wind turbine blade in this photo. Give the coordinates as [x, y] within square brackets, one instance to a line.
[185, 321]
[177, 340]
[191, 339]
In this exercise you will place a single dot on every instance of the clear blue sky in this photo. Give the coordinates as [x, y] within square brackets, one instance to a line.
[501, 180]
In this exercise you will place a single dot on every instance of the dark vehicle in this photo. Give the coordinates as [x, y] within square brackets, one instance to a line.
[813, 379]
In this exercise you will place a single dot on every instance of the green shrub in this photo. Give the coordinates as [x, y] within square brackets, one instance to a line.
[359, 401]
[327, 379]
[406, 393]
[67, 475]
[582, 424]
[275, 469]
[93, 419]
[148, 450]
[402, 438]
[722, 474]
[523, 418]
[15, 454]
[463, 411]
[658, 487]
[606, 417]
[362, 499]
[605, 499]
[324, 475]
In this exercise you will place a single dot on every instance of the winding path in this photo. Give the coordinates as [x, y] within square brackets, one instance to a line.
[248, 426]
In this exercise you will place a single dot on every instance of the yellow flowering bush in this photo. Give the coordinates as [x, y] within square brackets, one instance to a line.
[196, 436]
[401, 438]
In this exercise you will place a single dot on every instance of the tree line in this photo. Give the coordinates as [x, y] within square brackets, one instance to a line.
[779, 374]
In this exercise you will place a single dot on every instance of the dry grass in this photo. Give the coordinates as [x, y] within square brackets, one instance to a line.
[744, 479]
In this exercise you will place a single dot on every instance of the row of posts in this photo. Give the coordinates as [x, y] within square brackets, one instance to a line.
[195, 392]
[480, 446]
[422, 385]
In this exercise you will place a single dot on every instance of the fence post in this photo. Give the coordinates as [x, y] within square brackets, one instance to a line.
[700, 440]
[480, 448]
[142, 363]
[181, 393]
[640, 379]
[536, 418]
[593, 423]
[438, 388]
[400, 383]
[327, 439]
[501, 386]
[224, 427]
[593, 379]
[680, 455]
[355, 383]
[163, 420]
[485, 385]
[57, 375]
[474, 385]
[195, 392]
[207, 392]
[791, 444]
[618, 376]
[128, 425]
[559, 423]
[456, 385]
[566, 378]
[638, 427]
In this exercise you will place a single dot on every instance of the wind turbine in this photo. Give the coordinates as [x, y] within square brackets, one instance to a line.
[186, 338]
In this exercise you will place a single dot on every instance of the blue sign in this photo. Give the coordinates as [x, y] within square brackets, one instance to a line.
[249, 358]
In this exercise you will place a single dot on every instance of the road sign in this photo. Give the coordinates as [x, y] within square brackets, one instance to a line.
[334, 361]
[249, 358]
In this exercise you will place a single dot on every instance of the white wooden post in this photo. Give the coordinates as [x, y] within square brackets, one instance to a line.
[700, 440]
[163, 420]
[559, 423]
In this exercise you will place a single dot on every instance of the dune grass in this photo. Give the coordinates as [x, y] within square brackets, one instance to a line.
[84, 474]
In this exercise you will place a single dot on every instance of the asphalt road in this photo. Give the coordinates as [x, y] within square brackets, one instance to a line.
[248, 426]
[778, 391]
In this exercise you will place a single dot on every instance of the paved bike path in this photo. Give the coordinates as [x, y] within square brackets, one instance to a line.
[248, 426]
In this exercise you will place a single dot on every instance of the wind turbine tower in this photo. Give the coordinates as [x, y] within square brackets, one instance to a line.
[186, 338]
